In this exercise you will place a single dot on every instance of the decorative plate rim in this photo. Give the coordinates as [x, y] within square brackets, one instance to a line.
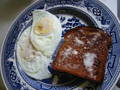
[4, 79]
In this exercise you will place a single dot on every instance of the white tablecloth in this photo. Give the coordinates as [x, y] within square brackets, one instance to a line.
[112, 5]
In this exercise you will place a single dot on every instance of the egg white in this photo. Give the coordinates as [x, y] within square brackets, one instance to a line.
[33, 62]
[47, 42]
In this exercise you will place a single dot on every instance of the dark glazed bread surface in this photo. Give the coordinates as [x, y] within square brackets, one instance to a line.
[83, 53]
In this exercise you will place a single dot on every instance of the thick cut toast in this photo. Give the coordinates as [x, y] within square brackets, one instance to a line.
[84, 53]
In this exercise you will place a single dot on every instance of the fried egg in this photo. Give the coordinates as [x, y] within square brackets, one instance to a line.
[33, 62]
[37, 44]
[46, 32]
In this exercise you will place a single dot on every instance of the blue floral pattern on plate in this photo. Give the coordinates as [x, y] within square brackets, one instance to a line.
[16, 79]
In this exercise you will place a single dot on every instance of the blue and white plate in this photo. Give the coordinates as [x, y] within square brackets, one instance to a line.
[71, 13]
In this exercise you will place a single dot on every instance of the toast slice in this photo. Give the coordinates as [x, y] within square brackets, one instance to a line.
[84, 53]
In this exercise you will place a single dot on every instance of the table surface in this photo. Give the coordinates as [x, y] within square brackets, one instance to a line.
[10, 11]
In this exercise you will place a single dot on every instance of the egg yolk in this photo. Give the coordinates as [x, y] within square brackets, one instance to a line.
[44, 26]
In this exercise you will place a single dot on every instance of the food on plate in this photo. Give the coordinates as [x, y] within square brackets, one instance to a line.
[33, 62]
[46, 32]
[37, 44]
[84, 53]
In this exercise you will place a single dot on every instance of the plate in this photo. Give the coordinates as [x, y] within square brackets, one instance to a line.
[71, 13]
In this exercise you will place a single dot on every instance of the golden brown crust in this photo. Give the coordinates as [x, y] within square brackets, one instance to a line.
[78, 42]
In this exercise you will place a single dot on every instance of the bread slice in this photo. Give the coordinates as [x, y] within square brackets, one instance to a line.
[84, 53]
